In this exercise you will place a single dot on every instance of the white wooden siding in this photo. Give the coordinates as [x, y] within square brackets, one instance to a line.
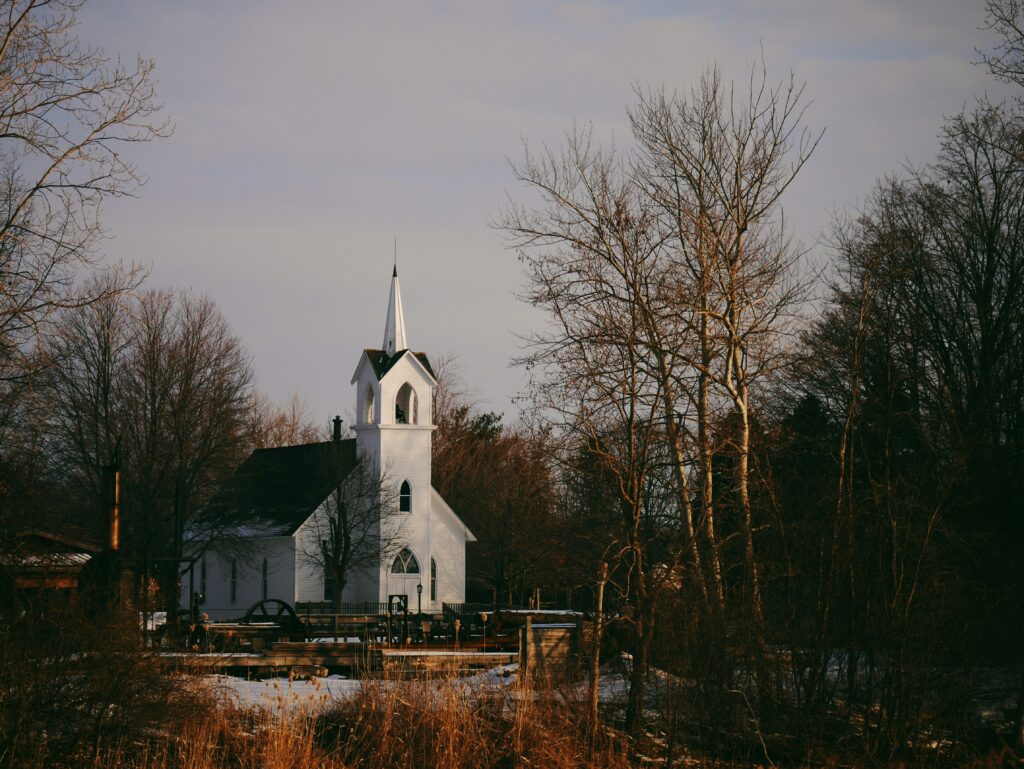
[279, 552]
[362, 586]
[449, 546]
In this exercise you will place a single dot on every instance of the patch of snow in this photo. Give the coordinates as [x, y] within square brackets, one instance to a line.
[501, 676]
[282, 694]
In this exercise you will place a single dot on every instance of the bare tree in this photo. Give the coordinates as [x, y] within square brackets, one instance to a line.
[163, 376]
[590, 251]
[271, 425]
[716, 164]
[358, 526]
[88, 350]
[669, 283]
[66, 114]
[1006, 19]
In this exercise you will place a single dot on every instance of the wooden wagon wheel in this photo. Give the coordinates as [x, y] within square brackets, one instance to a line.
[280, 613]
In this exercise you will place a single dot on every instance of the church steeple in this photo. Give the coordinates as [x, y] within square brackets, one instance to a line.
[394, 327]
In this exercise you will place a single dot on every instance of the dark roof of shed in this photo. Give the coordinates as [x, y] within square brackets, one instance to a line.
[70, 538]
[382, 362]
[274, 491]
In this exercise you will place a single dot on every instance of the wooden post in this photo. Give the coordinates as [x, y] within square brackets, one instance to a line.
[595, 653]
[524, 651]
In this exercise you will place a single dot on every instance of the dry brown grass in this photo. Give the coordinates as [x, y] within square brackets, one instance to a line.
[443, 723]
[447, 725]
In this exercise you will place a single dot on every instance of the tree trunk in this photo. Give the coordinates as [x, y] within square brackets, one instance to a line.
[172, 579]
[682, 482]
[339, 587]
[750, 558]
[706, 458]
[595, 654]
[644, 628]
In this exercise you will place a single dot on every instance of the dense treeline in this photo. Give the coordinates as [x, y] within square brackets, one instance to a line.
[895, 448]
[806, 487]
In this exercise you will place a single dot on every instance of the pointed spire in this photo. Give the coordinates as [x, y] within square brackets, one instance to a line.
[394, 327]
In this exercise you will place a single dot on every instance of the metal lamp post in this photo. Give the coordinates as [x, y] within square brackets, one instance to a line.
[419, 598]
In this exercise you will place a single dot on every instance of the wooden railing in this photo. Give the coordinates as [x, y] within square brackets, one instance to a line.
[476, 608]
[372, 608]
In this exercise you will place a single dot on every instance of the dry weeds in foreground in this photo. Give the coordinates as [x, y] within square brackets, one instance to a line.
[423, 723]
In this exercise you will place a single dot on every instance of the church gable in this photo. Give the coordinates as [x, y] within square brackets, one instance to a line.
[394, 390]
[382, 363]
[406, 391]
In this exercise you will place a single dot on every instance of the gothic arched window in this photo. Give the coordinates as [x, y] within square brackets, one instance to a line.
[368, 405]
[406, 406]
[405, 563]
[433, 580]
[405, 498]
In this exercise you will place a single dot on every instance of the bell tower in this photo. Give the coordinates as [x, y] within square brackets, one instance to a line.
[394, 425]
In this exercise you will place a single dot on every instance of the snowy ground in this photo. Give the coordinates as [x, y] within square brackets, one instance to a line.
[284, 695]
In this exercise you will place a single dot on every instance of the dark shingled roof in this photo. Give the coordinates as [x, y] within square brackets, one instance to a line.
[274, 491]
[382, 363]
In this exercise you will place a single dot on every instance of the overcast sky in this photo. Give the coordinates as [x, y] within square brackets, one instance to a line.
[309, 135]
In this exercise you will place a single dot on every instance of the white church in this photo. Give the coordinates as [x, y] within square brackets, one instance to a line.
[278, 500]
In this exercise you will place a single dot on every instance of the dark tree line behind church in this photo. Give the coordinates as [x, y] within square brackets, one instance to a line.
[500, 479]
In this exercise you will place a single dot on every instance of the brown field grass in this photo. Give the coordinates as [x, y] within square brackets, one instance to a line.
[387, 723]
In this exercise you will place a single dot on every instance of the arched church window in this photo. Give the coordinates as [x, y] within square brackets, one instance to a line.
[405, 498]
[406, 406]
[433, 580]
[368, 405]
[405, 563]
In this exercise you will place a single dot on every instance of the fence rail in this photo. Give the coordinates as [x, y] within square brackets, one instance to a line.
[477, 608]
[350, 607]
